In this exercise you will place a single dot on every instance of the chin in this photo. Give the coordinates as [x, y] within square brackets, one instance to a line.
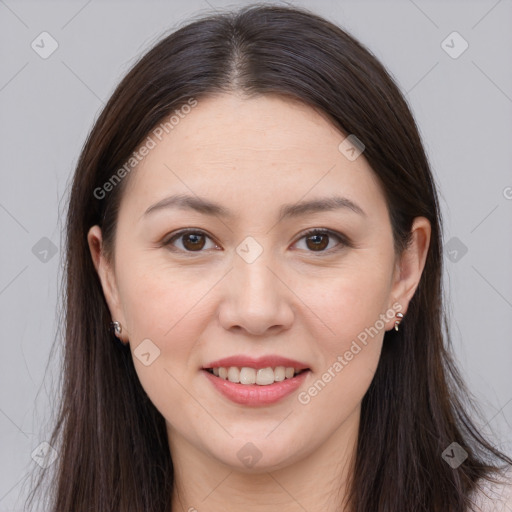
[252, 454]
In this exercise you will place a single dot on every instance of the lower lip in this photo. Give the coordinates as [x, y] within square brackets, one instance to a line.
[254, 394]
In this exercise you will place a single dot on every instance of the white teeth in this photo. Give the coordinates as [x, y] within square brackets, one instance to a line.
[265, 376]
[247, 375]
[233, 374]
[262, 376]
[279, 373]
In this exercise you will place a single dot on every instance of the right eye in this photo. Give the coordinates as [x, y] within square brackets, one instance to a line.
[191, 241]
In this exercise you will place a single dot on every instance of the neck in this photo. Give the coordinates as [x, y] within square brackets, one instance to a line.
[317, 482]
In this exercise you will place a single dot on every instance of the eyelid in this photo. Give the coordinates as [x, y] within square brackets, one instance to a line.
[175, 235]
[343, 240]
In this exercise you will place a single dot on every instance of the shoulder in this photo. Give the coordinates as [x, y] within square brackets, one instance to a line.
[493, 496]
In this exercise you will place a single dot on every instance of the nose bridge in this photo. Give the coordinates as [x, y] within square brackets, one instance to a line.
[257, 299]
[252, 268]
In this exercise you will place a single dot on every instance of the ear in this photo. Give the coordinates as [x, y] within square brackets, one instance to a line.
[107, 277]
[411, 263]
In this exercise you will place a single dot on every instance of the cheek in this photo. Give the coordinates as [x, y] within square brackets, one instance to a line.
[347, 301]
[157, 309]
[349, 332]
[159, 300]
[351, 310]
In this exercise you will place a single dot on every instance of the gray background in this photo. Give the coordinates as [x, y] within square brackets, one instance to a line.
[463, 107]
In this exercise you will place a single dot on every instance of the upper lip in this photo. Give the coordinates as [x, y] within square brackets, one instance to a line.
[258, 362]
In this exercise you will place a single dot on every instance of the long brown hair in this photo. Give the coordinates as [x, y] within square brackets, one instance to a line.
[112, 441]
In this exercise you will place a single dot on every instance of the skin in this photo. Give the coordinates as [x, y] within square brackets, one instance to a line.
[293, 300]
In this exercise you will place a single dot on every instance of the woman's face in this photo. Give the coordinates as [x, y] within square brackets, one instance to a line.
[248, 282]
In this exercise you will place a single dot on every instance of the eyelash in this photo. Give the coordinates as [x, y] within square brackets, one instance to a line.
[343, 240]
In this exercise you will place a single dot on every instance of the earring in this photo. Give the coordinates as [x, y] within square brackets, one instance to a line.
[397, 322]
[117, 327]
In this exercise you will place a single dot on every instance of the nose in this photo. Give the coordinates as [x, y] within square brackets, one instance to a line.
[256, 298]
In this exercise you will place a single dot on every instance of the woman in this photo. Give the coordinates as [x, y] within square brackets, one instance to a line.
[254, 307]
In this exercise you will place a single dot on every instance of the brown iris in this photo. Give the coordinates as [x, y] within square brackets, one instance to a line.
[192, 241]
[318, 244]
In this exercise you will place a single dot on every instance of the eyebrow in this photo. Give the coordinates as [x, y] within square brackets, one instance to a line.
[207, 207]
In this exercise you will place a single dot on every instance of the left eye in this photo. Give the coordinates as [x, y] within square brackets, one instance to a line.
[317, 240]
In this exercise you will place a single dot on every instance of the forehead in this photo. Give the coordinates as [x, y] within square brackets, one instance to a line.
[271, 125]
[241, 152]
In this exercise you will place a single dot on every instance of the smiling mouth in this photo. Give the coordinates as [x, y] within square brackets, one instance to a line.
[259, 376]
